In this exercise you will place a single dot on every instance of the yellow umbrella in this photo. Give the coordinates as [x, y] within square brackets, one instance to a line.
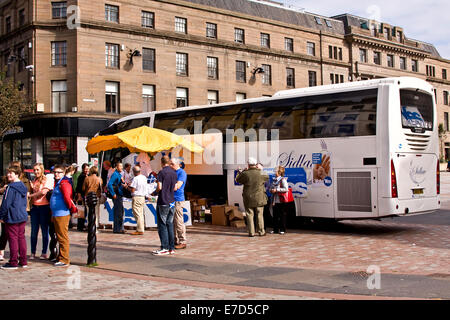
[142, 139]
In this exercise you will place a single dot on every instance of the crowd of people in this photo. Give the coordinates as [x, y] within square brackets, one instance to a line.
[51, 199]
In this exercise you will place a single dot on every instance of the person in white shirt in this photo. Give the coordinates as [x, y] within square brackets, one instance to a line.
[138, 190]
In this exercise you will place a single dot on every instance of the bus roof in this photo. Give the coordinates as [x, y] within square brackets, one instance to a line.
[285, 94]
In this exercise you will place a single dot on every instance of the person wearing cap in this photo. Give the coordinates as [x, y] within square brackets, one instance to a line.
[254, 195]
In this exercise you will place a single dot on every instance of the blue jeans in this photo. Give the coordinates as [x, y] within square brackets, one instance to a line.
[40, 216]
[118, 214]
[165, 213]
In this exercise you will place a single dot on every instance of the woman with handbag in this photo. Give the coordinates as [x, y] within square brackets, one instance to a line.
[40, 211]
[280, 191]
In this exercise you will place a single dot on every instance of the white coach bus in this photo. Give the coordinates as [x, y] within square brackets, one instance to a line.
[359, 150]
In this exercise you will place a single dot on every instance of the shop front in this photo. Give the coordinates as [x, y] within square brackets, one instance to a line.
[50, 140]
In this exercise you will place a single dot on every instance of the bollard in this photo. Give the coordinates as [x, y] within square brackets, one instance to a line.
[91, 201]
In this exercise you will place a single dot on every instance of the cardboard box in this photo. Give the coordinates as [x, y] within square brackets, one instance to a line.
[199, 208]
[228, 209]
[218, 216]
[235, 215]
[238, 224]
[202, 201]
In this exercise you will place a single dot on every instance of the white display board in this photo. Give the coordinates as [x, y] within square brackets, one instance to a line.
[107, 213]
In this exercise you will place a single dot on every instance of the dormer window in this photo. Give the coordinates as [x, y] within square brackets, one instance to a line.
[399, 36]
[318, 21]
[386, 33]
[328, 23]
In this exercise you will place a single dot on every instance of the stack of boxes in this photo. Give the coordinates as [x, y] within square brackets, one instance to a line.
[224, 215]
[220, 215]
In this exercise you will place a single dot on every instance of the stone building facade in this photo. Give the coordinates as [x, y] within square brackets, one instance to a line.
[87, 63]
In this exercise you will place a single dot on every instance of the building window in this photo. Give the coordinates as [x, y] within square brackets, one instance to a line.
[267, 75]
[111, 13]
[386, 33]
[182, 97]
[318, 20]
[446, 127]
[363, 55]
[240, 71]
[112, 97]
[211, 30]
[446, 98]
[59, 96]
[59, 10]
[21, 17]
[148, 98]
[8, 24]
[399, 36]
[147, 19]
[213, 70]
[403, 63]
[415, 66]
[239, 35]
[213, 97]
[180, 25]
[290, 77]
[335, 53]
[240, 96]
[182, 64]
[312, 78]
[265, 40]
[444, 74]
[431, 71]
[336, 78]
[59, 53]
[289, 44]
[390, 60]
[148, 59]
[311, 48]
[435, 95]
[377, 58]
[328, 23]
[112, 55]
[21, 61]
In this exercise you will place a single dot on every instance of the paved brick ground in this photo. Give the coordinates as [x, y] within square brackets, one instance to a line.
[42, 281]
[404, 248]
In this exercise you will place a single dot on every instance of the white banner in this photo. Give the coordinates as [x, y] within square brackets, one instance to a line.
[107, 213]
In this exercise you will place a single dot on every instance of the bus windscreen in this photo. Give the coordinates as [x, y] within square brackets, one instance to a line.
[416, 109]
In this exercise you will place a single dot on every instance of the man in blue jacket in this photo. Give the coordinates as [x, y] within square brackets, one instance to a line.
[115, 188]
[13, 212]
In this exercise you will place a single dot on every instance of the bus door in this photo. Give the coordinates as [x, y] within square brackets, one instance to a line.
[355, 193]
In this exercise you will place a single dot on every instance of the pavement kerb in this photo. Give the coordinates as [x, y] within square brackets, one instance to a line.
[210, 285]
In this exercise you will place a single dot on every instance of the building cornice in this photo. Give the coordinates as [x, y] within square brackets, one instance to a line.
[386, 45]
[437, 80]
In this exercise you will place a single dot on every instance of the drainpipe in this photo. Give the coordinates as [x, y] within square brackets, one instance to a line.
[321, 59]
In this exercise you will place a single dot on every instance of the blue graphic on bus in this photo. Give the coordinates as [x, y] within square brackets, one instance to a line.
[328, 181]
[296, 178]
[317, 158]
[412, 117]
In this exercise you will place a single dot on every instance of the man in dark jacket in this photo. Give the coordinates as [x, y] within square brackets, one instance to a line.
[115, 188]
[254, 196]
[13, 212]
